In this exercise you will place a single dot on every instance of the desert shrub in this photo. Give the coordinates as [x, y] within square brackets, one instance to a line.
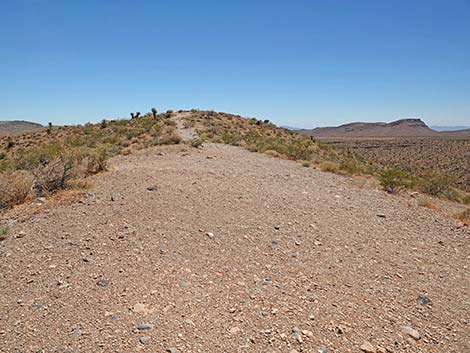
[196, 142]
[169, 138]
[305, 164]
[394, 180]
[4, 230]
[436, 185]
[3, 155]
[15, 187]
[104, 124]
[350, 166]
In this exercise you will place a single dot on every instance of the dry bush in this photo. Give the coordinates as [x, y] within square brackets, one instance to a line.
[15, 188]
[463, 216]
[196, 142]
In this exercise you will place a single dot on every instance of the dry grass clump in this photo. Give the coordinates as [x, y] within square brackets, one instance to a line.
[15, 187]
[4, 230]
[428, 204]
[463, 216]
[329, 167]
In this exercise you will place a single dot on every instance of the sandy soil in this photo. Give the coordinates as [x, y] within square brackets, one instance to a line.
[221, 250]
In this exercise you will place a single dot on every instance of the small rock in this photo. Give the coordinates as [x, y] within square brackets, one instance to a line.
[277, 227]
[210, 235]
[423, 299]
[144, 326]
[21, 234]
[152, 187]
[307, 333]
[408, 330]
[368, 347]
[140, 308]
[381, 349]
[173, 350]
[323, 350]
[234, 330]
[381, 215]
[77, 332]
[144, 339]
[296, 334]
[103, 282]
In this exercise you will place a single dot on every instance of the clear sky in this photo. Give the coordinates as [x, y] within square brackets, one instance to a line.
[300, 62]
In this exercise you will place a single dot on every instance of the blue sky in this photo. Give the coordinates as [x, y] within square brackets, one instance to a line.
[302, 63]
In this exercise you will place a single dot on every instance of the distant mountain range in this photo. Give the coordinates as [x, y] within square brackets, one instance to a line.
[400, 128]
[15, 127]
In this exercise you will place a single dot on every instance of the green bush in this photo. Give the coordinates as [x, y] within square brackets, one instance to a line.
[394, 180]
[436, 185]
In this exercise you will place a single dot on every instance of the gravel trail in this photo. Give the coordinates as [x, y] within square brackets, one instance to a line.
[218, 249]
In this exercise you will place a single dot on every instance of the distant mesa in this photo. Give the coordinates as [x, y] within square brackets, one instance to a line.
[410, 127]
[17, 127]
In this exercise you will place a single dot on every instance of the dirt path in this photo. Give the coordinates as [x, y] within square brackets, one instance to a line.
[186, 133]
[223, 250]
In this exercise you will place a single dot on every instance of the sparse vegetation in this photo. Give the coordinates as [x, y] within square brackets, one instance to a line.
[4, 230]
[44, 162]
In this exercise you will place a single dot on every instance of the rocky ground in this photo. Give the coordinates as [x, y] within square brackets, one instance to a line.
[178, 249]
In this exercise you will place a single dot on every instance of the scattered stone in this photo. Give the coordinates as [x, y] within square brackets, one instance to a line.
[423, 299]
[381, 215]
[77, 332]
[297, 335]
[232, 310]
[21, 234]
[144, 339]
[210, 235]
[307, 333]
[340, 330]
[323, 350]
[140, 308]
[173, 350]
[152, 187]
[144, 326]
[293, 351]
[103, 282]
[381, 349]
[408, 330]
[277, 227]
[234, 330]
[368, 347]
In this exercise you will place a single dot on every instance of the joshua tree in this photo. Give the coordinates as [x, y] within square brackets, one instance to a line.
[49, 127]
[154, 113]
[135, 115]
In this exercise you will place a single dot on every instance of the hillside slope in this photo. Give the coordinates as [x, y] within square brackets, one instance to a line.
[219, 249]
[399, 128]
[15, 127]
